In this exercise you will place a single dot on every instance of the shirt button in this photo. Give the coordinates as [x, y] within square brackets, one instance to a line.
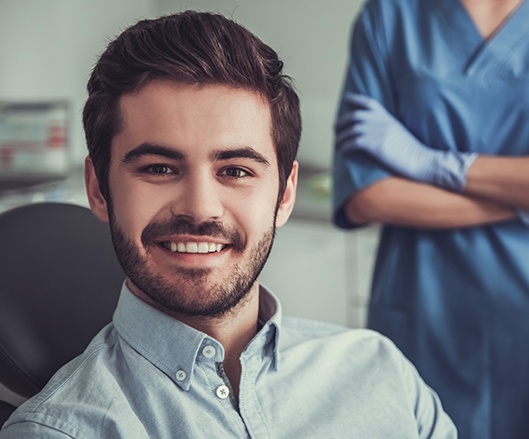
[223, 392]
[181, 375]
[209, 351]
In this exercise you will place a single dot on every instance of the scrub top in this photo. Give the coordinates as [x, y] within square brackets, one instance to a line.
[455, 301]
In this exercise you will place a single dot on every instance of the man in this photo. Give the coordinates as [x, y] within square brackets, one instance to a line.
[192, 132]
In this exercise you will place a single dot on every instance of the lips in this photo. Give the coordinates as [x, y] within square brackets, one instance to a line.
[193, 247]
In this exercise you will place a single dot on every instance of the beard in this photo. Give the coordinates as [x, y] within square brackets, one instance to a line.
[196, 292]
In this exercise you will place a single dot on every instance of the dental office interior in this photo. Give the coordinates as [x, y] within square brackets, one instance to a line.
[47, 49]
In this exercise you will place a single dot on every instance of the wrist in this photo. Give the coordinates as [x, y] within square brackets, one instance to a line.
[452, 168]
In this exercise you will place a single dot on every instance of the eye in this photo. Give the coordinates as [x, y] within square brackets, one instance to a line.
[234, 172]
[157, 169]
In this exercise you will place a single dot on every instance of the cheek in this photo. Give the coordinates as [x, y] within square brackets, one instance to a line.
[133, 210]
[257, 213]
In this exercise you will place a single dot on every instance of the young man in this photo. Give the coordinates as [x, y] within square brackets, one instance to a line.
[192, 132]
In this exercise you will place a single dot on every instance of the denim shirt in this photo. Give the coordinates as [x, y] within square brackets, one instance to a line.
[149, 376]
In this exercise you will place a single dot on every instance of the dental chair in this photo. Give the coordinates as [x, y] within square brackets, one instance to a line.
[59, 285]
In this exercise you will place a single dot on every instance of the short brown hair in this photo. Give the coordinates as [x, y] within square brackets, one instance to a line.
[195, 48]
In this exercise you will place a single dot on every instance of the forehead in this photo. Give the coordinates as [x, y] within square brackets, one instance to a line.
[195, 118]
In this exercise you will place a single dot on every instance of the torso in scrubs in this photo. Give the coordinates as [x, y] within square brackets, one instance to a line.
[457, 301]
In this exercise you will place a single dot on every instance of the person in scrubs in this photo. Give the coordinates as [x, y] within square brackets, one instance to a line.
[432, 141]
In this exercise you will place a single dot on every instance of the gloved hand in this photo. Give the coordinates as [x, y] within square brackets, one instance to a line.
[372, 129]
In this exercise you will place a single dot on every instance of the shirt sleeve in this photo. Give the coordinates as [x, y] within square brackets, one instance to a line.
[432, 421]
[368, 73]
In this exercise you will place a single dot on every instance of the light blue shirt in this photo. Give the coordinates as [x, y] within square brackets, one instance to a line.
[149, 376]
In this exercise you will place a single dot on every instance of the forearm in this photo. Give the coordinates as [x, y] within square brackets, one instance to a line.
[501, 179]
[405, 203]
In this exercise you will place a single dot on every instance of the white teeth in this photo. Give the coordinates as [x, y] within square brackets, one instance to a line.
[193, 247]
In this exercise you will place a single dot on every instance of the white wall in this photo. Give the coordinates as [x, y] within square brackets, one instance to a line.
[311, 37]
[48, 47]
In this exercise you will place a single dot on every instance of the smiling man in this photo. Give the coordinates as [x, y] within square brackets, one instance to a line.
[192, 131]
[194, 193]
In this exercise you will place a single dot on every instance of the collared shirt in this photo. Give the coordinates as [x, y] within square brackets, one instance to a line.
[149, 376]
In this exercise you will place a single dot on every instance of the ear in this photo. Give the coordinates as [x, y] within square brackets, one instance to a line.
[289, 197]
[97, 201]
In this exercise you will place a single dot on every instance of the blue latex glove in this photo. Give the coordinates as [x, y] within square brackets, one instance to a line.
[372, 129]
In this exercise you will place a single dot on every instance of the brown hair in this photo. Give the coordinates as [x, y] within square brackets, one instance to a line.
[195, 48]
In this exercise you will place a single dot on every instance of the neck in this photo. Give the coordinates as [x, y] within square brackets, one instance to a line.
[489, 15]
[233, 330]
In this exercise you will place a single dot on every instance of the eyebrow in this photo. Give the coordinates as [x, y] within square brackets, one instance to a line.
[245, 152]
[146, 149]
[152, 149]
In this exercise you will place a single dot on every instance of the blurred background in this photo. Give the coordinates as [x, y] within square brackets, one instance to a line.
[47, 49]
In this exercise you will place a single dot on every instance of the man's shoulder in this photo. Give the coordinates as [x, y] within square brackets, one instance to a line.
[86, 384]
[96, 362]
[353, 342]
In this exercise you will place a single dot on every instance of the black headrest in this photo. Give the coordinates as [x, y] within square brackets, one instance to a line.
[59, 284]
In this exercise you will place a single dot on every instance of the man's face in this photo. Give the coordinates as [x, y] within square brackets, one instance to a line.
[194, 195]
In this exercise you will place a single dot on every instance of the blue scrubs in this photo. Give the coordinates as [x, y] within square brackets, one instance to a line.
[457, 301]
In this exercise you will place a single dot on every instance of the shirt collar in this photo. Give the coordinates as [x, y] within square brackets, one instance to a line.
[174, 347]
[270, 320]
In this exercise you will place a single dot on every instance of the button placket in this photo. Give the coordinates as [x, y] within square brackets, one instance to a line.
[222, 392]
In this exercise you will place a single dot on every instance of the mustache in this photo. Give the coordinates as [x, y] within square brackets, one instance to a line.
[184, 226]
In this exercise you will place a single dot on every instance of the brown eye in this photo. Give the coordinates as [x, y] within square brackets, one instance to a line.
[235, 173]
[158, 169]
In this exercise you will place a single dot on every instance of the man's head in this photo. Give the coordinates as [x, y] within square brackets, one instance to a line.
[191, 48]
[192, 132]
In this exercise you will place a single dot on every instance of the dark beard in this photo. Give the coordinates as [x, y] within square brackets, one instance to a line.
[220, 298]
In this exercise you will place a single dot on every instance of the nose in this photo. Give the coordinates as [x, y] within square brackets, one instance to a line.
[200, 198]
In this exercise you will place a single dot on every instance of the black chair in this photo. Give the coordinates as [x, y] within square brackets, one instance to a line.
[59, 284]
[5, 411]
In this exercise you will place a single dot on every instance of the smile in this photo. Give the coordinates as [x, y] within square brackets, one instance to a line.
[193, 247]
